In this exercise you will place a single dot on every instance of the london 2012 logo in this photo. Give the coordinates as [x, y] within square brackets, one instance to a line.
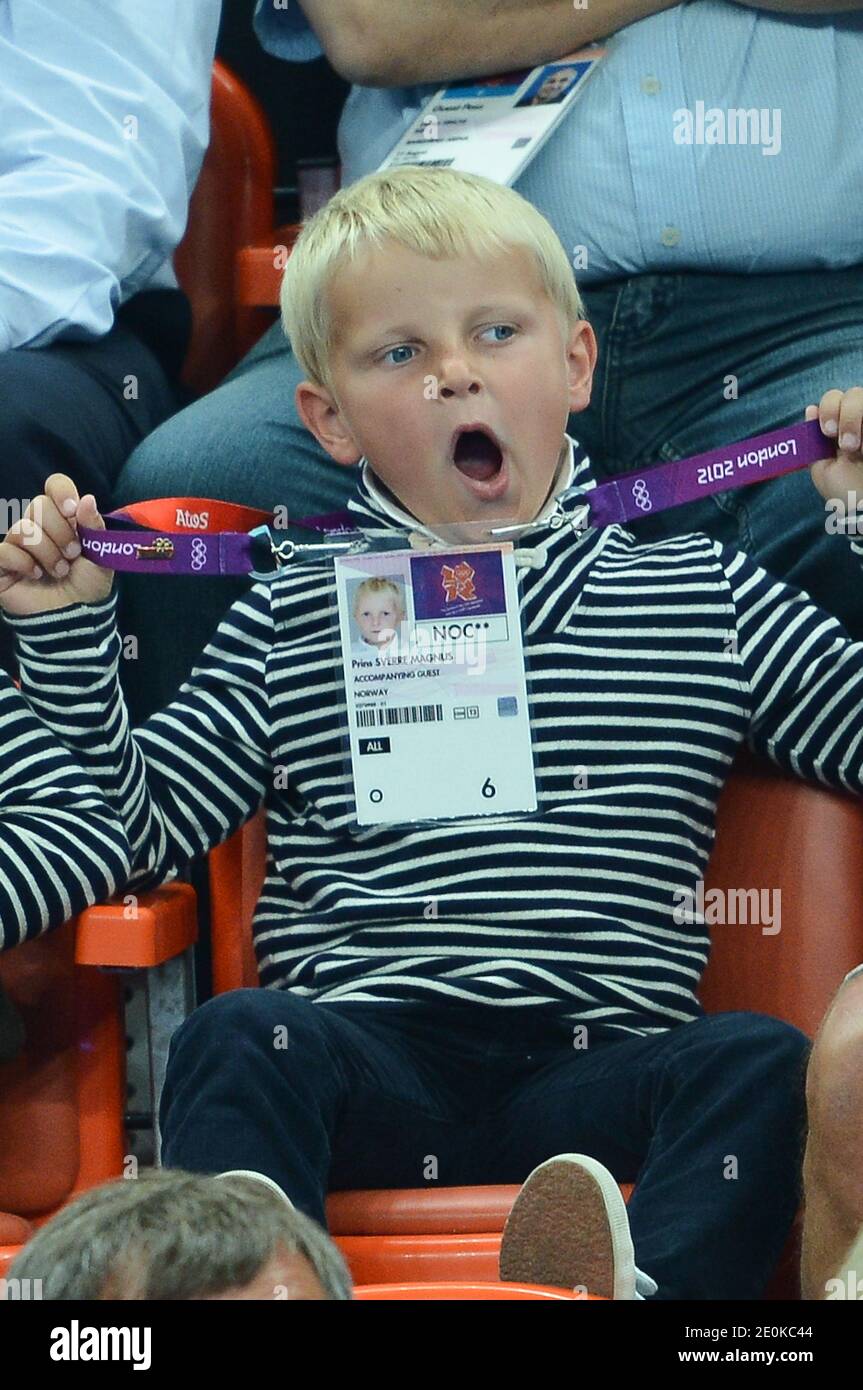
[457, 581]
[458, 584]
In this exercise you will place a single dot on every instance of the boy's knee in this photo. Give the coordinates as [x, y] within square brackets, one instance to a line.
[784, 1052]
[776, 1043]
[258, 1017]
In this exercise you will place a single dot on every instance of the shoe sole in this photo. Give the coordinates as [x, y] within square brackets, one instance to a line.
[568, 1227]
[257, 1177]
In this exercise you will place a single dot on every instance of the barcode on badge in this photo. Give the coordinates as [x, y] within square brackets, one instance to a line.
[402, 714]
[437, 163]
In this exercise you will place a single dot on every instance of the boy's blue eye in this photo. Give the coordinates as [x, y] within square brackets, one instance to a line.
[497, 328]
[391, 354]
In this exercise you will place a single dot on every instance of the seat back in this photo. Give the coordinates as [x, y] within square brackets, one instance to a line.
[236, 872]
[231, 207]
[801, 847]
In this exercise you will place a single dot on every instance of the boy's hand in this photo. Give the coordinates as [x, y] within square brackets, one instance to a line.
[841, 478]
[47, 537]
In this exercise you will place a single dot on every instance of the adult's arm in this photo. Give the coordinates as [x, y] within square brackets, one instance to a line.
[399, 43]
[105, 120]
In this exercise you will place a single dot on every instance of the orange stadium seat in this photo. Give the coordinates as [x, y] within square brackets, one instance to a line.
[62, 1100]
[228, 262]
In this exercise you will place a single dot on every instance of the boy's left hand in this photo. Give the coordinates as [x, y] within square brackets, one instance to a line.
[840, 415]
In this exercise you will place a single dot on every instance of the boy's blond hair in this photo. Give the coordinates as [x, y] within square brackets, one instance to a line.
[376, 584]
[434, 212]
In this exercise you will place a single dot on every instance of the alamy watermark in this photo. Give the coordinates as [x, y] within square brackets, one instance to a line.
[844, 516]
[732, 125]
[20, 1290]
[724, 906]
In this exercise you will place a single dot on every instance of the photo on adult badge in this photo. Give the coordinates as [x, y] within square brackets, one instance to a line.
[434, 676]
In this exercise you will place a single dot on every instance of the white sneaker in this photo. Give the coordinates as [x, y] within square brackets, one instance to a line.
[261, 1177]
[568, 1227]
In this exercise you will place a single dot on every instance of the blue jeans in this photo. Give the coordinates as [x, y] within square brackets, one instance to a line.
[667, 345]
[707, 1118]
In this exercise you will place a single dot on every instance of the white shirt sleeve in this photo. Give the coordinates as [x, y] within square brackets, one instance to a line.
[104, 125]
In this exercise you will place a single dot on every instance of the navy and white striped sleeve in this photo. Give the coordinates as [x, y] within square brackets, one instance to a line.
[195, 771]
[804, 675]
[61, 848]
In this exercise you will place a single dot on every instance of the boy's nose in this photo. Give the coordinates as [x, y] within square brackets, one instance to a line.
[467, 388]
[457, 377]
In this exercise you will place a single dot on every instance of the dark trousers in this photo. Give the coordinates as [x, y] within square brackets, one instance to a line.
[80, 408]
[707, 1117]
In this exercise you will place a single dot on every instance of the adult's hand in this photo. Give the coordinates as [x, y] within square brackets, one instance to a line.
[398, 43]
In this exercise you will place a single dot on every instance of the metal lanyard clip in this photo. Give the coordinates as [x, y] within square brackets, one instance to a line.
[576, 519]
[283, 552]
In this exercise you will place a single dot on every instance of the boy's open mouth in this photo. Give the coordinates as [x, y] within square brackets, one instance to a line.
[476, 453]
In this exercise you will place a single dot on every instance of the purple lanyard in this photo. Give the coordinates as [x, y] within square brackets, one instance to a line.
[646, 491]
[629, 497]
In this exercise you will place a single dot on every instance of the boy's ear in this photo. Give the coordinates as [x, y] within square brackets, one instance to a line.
[581, 351]
[320, 414]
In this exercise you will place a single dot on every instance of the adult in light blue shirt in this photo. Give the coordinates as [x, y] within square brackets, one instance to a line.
[615, 181]
[723, 281]
[104, 120]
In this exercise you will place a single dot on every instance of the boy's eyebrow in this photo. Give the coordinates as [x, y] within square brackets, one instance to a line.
[499, 306]
[398, 330]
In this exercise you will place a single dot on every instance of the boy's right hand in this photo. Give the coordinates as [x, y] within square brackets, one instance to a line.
[41, 541]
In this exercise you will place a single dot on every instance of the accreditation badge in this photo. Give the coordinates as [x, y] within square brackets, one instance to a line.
[495, 125]
[434, 675]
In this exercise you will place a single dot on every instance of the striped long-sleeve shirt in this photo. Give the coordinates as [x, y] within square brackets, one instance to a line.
[61, 848]
[648, 665]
